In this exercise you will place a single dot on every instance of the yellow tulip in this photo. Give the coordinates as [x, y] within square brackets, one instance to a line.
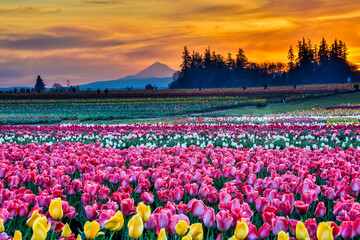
[78, 237]
[136, 226]
[40, 228]
[115, 223]
[2, 228]
[66, 231]
[162, 235]
[301, 231]
[187, 237]
[233, 238]
[324, 231]
[55, 209]
[283, 236]
[181, 228]
[241, 230]
[91, 230]
[144, 212]
[34, 216]
[17, 235]
[196, 231]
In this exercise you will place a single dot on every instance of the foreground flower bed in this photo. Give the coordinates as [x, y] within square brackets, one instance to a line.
[218, 192]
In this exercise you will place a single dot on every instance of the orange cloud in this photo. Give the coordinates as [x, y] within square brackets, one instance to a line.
[91, 40]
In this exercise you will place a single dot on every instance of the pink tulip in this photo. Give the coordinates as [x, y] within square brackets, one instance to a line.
[127, 206]
[147, 198]
[208, 217]
[223, 221]
[196, 207]
[279, 224]
[320, 210]
[104, 193]
[253, 233]
[191, 189]
[347, 230]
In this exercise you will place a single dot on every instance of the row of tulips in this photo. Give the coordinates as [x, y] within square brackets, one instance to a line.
[40, 227]
[216, 188]
[273, 136]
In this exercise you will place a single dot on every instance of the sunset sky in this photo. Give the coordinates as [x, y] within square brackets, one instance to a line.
[86, 41]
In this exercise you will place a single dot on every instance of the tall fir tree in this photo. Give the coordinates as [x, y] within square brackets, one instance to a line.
[39, 85]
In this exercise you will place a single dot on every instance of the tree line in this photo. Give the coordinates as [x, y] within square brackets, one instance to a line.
[311, 64]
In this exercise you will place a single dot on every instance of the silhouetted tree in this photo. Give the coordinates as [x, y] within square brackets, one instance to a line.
[291, 58]
[39, 85]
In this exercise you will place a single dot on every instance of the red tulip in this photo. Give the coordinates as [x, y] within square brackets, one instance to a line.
[311, 226]
[286, 208]
[127, 206]
[320, 210]
[308, 197]
[301, 207]
[292, 225]
[223, 221]
[264, 231]
[253, 233]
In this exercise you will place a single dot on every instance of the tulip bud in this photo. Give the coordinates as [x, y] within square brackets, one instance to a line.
[17, 235]
[241, 230]
[162, 235]
[40, 228]
[66, 231]
[34, 216]
[196, 231]
[283, 236]
[115, 223]
[320, 210]
[324, 231]
[187, 237]
[301, 231]
[2, 228]
[91, 230]
[136, 226]
[181, 228]
[144, 212]
[55, 209]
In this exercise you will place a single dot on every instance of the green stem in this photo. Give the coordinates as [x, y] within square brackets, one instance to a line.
[27, 233]
[207, 234]
[112, 234]
[52, 234]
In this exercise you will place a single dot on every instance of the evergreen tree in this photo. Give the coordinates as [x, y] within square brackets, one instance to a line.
[39, 85]
[241, 59]
[291, 58]
[230, 62]
[323, 54]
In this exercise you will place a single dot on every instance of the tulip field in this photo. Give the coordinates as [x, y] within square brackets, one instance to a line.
[271, 177]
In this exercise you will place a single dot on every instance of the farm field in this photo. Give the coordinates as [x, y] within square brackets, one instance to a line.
[280, 174]
[158, 104]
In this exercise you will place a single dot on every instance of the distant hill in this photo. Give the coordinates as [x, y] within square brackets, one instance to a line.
[157, 73]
